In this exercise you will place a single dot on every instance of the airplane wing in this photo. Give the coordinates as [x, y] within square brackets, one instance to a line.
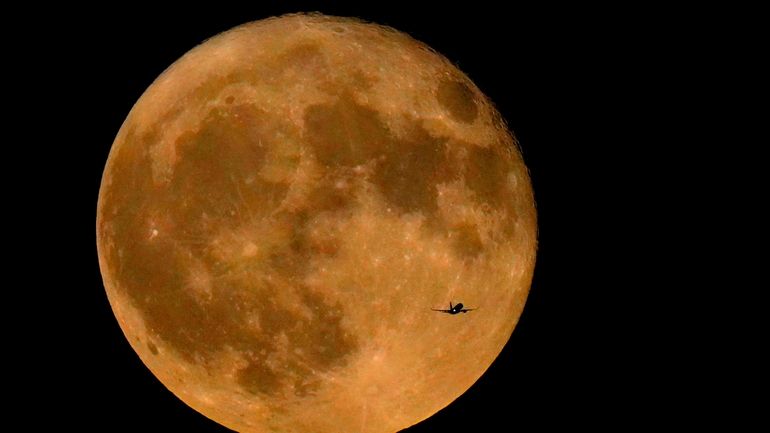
[443, 311]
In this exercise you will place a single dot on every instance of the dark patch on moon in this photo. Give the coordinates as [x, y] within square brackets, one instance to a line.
[295, 61]
[408, 169]
[345, 133]
[218, 165]
[326, 196]
[458, 99]
[301, 56]
[153, 348]
[486, 173]
[319, 340]
[411, 170]
[256, 378]
[466, 241]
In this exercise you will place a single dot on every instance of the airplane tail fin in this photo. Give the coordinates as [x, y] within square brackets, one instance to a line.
[450, 305]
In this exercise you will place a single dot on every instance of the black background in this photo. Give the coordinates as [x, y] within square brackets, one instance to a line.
[567, 80]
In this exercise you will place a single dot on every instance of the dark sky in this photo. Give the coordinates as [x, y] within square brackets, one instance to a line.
[561, 77]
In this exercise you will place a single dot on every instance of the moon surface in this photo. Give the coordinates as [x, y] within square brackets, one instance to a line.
[285, 204]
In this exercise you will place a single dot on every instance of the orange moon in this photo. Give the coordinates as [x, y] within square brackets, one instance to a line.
[286, 203]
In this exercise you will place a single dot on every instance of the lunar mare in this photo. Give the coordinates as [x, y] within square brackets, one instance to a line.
[286, 203]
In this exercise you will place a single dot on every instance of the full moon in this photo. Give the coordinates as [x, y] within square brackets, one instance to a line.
[283, 208]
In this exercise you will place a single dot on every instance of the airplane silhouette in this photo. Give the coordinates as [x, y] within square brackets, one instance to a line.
[456, 309]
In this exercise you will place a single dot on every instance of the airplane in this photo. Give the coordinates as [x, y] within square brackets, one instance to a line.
[456, 309]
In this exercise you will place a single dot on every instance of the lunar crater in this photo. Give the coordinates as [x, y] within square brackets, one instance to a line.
[458, 99]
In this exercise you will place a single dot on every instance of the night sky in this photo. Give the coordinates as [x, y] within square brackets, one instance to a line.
[561, 77]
